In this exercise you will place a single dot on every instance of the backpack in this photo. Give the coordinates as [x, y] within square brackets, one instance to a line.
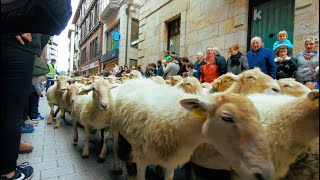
[40, 67]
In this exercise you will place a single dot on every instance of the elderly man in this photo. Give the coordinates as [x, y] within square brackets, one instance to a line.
[199, 63]
[261, 57]
[212, 68]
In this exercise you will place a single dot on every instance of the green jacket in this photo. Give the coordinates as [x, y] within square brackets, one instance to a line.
[52, 73]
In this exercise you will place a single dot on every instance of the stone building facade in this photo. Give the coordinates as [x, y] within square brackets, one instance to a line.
[217, 23]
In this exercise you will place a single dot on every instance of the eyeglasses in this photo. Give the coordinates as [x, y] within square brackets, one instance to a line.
[310, 44]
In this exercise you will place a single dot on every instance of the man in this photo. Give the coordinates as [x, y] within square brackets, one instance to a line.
[52, 74]
[220, 60]
[170, 67]
[210, 70]
[199, 63]
[261, 57]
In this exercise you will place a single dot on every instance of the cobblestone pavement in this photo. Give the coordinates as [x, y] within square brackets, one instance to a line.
[55, 157]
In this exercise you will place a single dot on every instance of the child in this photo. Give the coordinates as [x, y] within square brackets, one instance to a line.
[184, 75]
[191, 72]
[282, 39]
[286, 66]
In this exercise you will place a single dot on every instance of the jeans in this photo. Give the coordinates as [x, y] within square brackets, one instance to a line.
[16, 70]
[49, 83]
[33, 105]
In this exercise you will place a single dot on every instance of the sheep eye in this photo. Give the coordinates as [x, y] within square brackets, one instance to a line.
[285, 85]
[188, 84]
[227, 119]
[250, 77]
[175, 80]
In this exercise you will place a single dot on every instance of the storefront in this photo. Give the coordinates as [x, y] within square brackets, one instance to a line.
[92, 68]
[109, 59]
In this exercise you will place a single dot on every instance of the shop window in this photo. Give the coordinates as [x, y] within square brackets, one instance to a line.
[174, 36]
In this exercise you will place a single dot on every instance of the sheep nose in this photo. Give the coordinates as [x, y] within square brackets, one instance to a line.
[104, 106]
[72, 100]
[259, 176]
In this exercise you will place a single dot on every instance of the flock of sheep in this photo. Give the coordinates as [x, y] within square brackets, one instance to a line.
[249, 123]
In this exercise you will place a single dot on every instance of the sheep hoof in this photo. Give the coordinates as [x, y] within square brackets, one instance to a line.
[85, 156]
[117, 172]
[101, 160]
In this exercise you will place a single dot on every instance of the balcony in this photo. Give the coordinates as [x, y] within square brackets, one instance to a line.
[109, 6]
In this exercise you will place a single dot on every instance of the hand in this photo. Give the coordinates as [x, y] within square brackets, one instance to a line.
[26, 36]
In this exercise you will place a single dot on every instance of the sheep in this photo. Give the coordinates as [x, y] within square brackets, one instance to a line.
[67, 100]
[254, 81]
[206, 87]
[167, 136]
[190, 85]
[173, 80]
[223, 82]
[135, 74]
[92, 111]
[54, 95]
[291, 125]
[158, 80]
[292, 87]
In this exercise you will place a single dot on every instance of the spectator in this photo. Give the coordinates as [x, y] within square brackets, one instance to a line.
[286, 66]
[106, 73]
[282, 39]
[115, 68]
[52, 74]
[190, 71]
[262, 58]
[172, 67]
[120, 71]
[237, 62]
[220, 61]
[133, 68]
[183, 61]
[126, 69]
[36, 93]
[210, 70]
[307, 61]
[140, 69]
[199, 63]
[167, 56]
[159, 68]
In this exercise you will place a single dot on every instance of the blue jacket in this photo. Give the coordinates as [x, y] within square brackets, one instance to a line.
[264, 59]
[285, 42]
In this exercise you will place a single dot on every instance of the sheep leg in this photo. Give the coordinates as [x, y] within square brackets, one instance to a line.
[169, 174]
[85, 151]
[56, 112]
[75, 130]
[141, 171]
[51, 114]
[102, 155]
[116, 160]
[59, 120]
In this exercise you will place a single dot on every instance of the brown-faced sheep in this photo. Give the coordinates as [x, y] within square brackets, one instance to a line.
[173, 80]
[168, 136]
[190, 85]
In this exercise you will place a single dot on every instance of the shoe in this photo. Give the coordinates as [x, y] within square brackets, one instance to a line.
[30, 122]
[27, 128]
[38, 118]
[25, 148]
[22, 172]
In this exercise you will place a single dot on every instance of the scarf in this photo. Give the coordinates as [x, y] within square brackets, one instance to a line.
[235, 59]
[280, 59]
[308, 56]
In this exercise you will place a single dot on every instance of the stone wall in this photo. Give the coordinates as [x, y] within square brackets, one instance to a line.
[210, 23]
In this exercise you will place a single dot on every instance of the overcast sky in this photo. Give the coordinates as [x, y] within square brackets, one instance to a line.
[63, 49]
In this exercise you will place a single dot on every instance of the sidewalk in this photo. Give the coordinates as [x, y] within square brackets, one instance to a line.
[55, 157]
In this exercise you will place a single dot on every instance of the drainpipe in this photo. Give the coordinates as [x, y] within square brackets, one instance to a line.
[127, 32]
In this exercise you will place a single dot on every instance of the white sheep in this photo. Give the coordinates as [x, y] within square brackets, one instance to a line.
[190, 85]
[291, 124]
[54, 94]
[158, 80]
[292, 87]
[68, 97]
[165, 129]
[92, 111]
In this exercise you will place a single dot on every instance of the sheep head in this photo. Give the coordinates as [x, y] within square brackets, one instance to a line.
[190, 85]
[231, 124]
[112, 79]
[173, 80]
[62, 82]
[254, 81]
[72, 91]
[291, 87]
[135, 74]
[223, 82]
[158, 79]
[101, 93]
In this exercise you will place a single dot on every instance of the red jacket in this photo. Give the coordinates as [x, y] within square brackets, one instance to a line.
[209, 71]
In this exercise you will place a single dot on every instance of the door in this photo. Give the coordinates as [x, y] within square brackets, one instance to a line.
[270, 17]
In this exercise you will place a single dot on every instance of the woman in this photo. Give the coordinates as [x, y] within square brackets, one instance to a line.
[237, 62]
[307, 61]
[286, 66]
[120, 71]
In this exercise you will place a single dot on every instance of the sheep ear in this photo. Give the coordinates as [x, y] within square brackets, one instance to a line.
[314, 95]
[196, 107]
[212, 90]
[85, 90]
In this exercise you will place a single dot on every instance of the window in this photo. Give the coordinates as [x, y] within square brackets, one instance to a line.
[174, 36]
[111, 43]
[134, 33]
[96, 13]
[83, 56]
[133, 62]
[94, 48]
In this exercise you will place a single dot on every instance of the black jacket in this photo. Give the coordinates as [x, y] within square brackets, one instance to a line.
[286, 69]
[35, 16]
[222, 64]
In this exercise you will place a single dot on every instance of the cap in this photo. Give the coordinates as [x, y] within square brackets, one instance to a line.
[199, 54]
